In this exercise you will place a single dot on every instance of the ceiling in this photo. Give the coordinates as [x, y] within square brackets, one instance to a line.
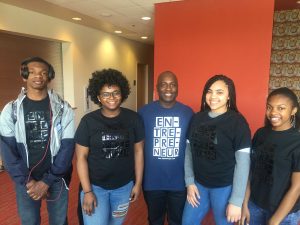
[112, 15]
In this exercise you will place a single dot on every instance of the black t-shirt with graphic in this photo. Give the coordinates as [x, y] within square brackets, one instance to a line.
[111, 146]
[37, 126]
[214, 142]
[275, 155]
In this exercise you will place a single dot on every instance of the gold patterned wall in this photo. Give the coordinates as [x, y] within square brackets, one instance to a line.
[285, 57]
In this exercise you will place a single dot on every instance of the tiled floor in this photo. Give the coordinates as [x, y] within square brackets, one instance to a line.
[8, 211]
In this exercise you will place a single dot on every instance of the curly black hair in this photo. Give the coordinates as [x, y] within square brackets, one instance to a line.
[107, 77]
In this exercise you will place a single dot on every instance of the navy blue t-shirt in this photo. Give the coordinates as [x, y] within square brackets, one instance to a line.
[166, 130]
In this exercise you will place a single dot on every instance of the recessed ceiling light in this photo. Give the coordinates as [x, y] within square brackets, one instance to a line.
[298, 2]
[118, 31]
[76, 18]
[144, 37]
[146, 18]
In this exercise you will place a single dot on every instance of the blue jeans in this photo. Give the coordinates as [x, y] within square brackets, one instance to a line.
[161, 202]
[29, 210]
[112, 205]
[210, 198]
[259, 216]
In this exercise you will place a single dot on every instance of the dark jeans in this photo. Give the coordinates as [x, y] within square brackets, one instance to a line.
[160, 203]
[29, 210]
[259, 216]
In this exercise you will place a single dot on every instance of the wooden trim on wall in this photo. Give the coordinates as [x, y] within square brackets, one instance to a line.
[13, 50]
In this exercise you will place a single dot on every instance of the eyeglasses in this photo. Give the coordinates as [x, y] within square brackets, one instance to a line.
[114, 94]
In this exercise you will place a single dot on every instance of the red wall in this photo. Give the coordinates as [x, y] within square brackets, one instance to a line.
[197, 39]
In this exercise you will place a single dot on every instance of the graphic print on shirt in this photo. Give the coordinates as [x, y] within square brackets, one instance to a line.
[115, 143]
[166, 139]
[264, 159]
[203, 140]
[37, 129]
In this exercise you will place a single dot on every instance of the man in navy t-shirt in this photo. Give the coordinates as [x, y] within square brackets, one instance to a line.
[166, 122]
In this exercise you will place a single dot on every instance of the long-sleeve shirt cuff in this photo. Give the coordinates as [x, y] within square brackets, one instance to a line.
[189, 181]
[49, 179]
[237, 201]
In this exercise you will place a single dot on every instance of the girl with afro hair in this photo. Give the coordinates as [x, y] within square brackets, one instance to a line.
[109, 149]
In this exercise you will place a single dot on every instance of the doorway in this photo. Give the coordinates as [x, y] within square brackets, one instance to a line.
[142, 85]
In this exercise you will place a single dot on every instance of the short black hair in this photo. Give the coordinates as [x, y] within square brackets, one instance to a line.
[107, 77]
[163, 74]
[24, 67]
[231, 90]
[286, 92]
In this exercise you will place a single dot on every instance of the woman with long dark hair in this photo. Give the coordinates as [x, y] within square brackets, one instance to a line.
[217, 156]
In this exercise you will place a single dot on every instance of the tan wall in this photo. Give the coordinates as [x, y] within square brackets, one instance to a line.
[84, 50]
[14, 49]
